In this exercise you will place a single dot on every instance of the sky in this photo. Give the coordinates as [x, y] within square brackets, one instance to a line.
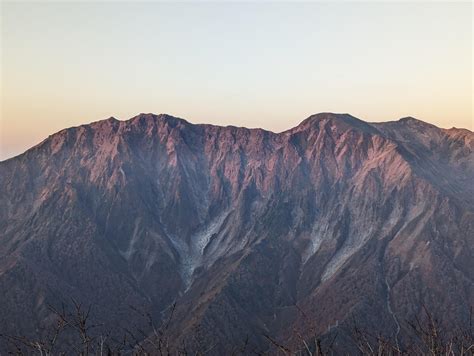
[258, 64]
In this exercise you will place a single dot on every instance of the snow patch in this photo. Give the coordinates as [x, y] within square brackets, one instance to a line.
[353, 244]
[316, 239]
[122, 173]
[390, 311]
[191, 255]
[127, 254]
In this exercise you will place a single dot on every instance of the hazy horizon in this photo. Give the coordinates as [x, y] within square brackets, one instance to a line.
[267, 65]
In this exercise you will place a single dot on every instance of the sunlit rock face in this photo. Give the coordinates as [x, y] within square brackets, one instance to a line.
[250, 232]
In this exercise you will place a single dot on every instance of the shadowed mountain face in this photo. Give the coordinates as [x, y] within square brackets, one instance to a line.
[249, 231]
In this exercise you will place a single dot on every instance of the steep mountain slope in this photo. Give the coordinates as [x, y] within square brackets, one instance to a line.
[249, 231]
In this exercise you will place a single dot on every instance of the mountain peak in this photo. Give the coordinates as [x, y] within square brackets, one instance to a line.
[329, 116]
[412, 121]
[408, 119]
[147, 118]
[338, 120]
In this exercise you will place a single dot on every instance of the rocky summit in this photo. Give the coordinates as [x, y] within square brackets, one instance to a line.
[251, 235]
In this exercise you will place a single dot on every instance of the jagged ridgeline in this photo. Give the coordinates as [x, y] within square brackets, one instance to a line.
[253, 234]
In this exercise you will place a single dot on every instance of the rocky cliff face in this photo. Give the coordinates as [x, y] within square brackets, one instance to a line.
[250, 232]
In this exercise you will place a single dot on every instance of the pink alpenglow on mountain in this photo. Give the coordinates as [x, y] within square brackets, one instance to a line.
[249, 232]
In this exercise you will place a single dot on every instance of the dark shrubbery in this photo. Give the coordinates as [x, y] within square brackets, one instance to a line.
[74, 333]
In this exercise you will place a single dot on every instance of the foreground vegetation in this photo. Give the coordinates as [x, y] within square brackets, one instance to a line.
[73, 333]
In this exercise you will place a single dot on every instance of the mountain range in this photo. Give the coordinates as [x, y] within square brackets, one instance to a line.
[252, 235]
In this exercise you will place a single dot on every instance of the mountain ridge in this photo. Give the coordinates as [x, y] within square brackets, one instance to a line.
[311, 118]
[242, 228]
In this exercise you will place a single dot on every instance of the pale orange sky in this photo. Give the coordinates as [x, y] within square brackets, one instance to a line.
[248, 64]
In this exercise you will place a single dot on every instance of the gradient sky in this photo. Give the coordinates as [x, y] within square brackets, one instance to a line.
[264, 65]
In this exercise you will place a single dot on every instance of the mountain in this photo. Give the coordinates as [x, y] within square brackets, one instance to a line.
[249, 232]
